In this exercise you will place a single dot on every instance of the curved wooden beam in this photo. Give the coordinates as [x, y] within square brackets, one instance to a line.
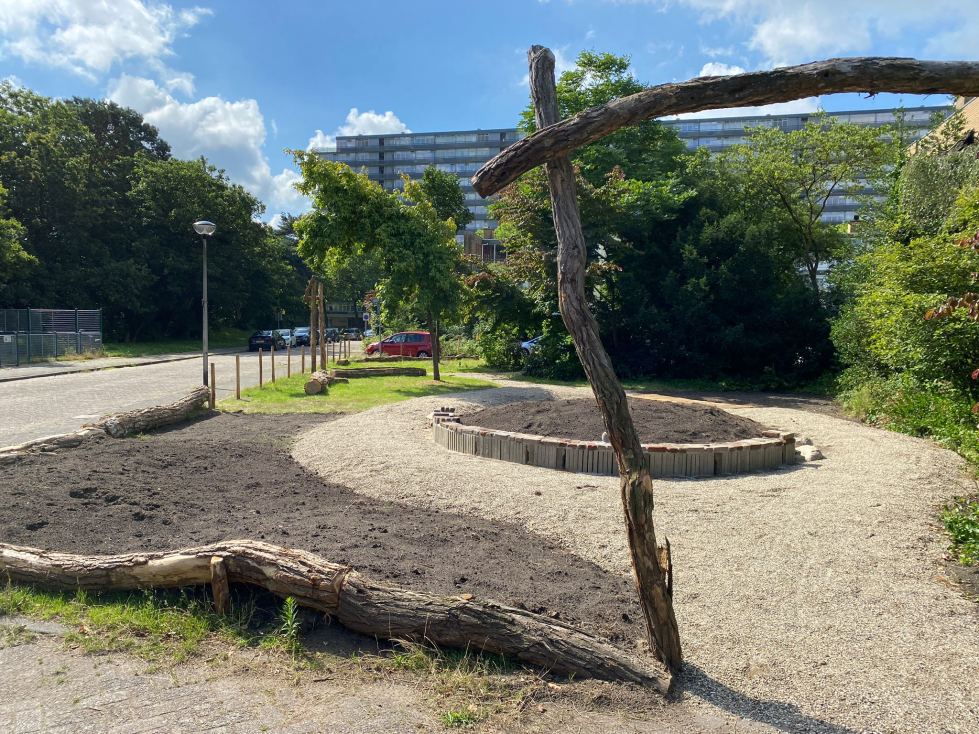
[355, 601]
[871, 75]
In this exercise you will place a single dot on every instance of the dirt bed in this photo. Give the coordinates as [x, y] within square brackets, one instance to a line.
[231, 476]
[657, 421]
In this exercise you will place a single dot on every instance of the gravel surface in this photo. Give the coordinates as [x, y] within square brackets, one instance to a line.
[810, 598]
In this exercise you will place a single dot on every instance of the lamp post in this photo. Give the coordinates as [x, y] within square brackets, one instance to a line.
[205, 230]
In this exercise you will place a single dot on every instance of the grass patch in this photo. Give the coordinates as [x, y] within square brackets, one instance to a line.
[287, 396]
[217, 339]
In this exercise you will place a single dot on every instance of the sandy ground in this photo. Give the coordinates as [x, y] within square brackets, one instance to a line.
[810, 599]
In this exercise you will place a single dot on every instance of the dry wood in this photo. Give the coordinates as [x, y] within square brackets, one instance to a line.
[272, 355]
[655, 597]
[146, 419]
[381, 372]
[868, 74]
[355, 601]
[322, 325]
[214, 389]
[219, 584]
[237, 377]
[319, 382]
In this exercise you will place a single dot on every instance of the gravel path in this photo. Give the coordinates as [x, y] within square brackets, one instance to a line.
[810, 598]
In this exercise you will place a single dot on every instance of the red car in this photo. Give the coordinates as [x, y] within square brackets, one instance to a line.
[405, 344]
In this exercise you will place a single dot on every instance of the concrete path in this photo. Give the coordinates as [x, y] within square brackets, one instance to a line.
[57, 404]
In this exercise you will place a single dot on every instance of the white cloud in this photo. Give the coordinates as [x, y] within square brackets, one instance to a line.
[230, 134]
[590, 35]
[275, 129]
[715, 51]
[359, 123]
[714, 68]
[90, 36]
[790, 32]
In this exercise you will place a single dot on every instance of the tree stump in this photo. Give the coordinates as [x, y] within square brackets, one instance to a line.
[318, 382]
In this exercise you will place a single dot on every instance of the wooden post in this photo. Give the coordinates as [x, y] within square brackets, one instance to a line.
[272, 353]
[219, 585]
[237, 377]
[302, 354]
[322, 320]
[259, 367]
[289, 361]
[214, 389]
[314, 314]
[653, 580]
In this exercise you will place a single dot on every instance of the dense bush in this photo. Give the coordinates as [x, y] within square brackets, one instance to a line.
[554, 358]
[501, 348]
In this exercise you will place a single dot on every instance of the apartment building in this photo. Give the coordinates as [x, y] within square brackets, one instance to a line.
[462, 152]
[721, 132]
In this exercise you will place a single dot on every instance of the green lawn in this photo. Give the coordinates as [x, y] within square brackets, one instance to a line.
[217, 339]
[287, 395]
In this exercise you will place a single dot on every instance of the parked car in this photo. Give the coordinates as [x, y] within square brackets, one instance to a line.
[266, 340]
[289, 336]
[352, 334]
[331, 334]
[369, 334]
[406, 343]
[302, 335]
[528, 346]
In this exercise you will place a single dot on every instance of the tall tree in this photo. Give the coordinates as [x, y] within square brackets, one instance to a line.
[353, 217]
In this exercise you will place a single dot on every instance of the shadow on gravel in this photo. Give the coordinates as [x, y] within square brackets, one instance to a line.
[783, 716]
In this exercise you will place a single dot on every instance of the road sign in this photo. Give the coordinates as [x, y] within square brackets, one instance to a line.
[367, 317]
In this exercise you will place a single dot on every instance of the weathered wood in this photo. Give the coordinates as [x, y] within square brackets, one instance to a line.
[636, 486]
[219, 584]
[867, 74]
[214, 389]
[145, 419]
[381, 372]
[322, 324]
[319, 382]
[355, 601]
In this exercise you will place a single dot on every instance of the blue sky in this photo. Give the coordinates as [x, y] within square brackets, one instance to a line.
[241, 81]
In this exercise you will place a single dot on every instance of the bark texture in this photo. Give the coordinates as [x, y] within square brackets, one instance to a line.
[357, 602]
[868, 74]
[655, 594]
[145, 419]
[319, 382]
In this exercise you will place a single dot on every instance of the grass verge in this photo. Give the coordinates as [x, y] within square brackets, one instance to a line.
[217, 339]
[287, 395]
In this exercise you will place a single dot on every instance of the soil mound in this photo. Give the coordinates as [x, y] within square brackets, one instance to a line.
[656, 421]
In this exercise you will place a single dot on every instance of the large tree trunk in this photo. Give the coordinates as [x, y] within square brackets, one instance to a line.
[870, 75]
[651, 565]
[433, 335]
[145, 419]
[357, 602]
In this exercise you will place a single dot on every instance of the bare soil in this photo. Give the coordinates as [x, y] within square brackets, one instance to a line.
[657, 421]
[231, 476]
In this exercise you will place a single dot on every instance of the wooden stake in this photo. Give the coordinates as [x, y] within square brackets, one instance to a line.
[302, 352]
[272, 352]
[314, 313]
[322, 320]
[259, 367]
[219, 585]
[214, 388]
[289, 361]
[237, 377]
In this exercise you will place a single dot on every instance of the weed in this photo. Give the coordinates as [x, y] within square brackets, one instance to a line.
[459, 719]
[961, 520]
[291, 627]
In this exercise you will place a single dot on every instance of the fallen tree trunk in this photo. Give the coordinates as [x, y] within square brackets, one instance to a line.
[382, 372]
[355, 601]
[319, 382]
[868, 74]
[145, 419]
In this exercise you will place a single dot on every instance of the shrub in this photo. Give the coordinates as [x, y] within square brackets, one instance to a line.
[501, 349]
[554, 358]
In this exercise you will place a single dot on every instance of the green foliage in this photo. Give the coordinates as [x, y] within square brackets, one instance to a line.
[460, 718]
[442, 189]
[929, 186]
[961, 521]
[13, 258]
[501, 348]
[555, 357]
[291, 625]
[104, 213]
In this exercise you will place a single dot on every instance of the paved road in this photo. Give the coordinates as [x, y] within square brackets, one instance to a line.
[61, 403]
[47, 369]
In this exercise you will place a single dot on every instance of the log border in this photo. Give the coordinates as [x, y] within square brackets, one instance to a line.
[775, 449]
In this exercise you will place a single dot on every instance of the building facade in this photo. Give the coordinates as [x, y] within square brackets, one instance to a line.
[463, 152]
[722, 132]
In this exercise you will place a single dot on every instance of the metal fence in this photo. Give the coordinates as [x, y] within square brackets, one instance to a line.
[37, 334]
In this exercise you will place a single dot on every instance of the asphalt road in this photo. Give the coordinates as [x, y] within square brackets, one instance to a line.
[62, 402]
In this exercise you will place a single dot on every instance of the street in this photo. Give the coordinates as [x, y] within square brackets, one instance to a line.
[62, 402]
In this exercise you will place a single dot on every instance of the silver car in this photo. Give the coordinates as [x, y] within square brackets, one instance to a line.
[289, 335]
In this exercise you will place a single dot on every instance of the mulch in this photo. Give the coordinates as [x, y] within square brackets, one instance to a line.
[656, 421]
[231, 476]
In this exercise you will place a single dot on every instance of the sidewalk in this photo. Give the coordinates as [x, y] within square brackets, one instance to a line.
[50, 369]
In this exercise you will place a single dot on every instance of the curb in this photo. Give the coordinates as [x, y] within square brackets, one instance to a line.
[182, 358]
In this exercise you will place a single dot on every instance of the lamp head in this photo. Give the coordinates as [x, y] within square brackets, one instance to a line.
[205, 229]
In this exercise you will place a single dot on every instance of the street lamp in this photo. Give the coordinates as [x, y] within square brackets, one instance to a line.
[205, 230]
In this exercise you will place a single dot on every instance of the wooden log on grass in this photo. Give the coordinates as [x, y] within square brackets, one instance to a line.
[357, 602]
[319, 382]
[145, 419]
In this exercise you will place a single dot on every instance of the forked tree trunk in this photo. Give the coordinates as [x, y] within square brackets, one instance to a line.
[651, 565]
[357, 602]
